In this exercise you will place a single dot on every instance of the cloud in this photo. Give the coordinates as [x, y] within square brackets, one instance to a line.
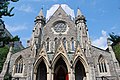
[16, 28]
[25, 8]
[101, 42]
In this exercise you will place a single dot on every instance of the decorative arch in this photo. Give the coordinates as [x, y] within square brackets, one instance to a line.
[64, 57]
[80, 68]
[41, 64]
[36, 64]
[41, 71]
[83, 61]
[60, 70]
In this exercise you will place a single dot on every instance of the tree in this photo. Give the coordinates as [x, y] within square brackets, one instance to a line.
[3, 54]
[115, 44]
[114, 38]
[4, 11]
[5, 40]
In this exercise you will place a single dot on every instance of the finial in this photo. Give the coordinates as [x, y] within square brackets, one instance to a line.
[108, 42]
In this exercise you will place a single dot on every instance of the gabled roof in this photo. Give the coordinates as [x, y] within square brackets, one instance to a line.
[57, 7]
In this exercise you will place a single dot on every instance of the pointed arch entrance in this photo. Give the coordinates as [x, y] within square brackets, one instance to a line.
[60, 70]
[41, 71]
[79, 71]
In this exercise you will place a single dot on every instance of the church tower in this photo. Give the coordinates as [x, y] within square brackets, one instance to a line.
[37, 34]
[82, 30]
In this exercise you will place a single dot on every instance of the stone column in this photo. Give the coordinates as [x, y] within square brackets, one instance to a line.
[87, 76]
[49, 74]
[52, 74]
[73, 74]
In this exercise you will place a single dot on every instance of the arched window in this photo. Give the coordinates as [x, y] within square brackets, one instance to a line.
[19, 65]
[55, 40]
[64, 42]
[102, 64]
[48, 44]
[72, 44]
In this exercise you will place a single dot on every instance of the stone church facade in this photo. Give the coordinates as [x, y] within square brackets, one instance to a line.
[60, 49]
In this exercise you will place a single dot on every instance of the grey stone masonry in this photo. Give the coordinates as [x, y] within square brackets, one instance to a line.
[60, 49]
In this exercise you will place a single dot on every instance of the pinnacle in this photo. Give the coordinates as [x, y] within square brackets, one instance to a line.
[79, 12]
[41, 12]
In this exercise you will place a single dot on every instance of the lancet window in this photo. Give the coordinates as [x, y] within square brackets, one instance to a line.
[102, 64]
[19, 65]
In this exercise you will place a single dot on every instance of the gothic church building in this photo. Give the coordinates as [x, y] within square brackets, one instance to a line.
[60, 49]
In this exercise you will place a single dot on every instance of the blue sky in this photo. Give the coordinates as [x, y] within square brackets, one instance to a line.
[103, 17]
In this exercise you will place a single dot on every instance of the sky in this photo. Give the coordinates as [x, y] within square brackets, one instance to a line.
[103, 17]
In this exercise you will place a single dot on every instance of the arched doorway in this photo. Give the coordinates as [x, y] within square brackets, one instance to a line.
[79, 71]
[60, 70]
[41, 71]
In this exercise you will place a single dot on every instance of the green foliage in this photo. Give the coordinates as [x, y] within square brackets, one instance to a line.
[16, 49]
[3, 54]
[7, 77]
[114, 38]
[4, 11]
[6, 40]
[115, 45]
[116, 49]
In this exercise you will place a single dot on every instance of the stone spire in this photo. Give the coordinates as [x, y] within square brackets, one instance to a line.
[78, 13]
[40, 17]
[82, 35]
[41, 13]
[79, 16]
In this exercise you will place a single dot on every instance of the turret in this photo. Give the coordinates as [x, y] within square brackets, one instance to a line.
[38, 30]
[40, 18]
[82, 30]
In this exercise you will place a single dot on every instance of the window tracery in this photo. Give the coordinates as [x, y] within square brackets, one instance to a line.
[19, 65]
[102, 64]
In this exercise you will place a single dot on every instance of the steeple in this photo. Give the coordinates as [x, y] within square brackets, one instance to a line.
[78, 13]
[79, 17]
[41, 13]
[40, 17]
[38, 30]
[82, 34]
